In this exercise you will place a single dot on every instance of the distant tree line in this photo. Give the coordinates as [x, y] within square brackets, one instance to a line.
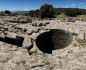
[48, 11]
[72, 12]
[6, 12]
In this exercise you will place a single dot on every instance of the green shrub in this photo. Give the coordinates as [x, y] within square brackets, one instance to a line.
[47, 11]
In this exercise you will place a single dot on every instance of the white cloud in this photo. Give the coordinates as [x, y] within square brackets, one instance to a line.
[82, 3]
[76, 5]
[70, 5]
[73, 4]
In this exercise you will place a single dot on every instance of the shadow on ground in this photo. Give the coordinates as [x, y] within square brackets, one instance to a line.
[53, 40]
[14, 41]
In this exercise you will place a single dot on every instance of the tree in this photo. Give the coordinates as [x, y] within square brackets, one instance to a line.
[73, 12]
[47, 11]
[37, 13]
[31, 13]
[7, 12]
[1, 13]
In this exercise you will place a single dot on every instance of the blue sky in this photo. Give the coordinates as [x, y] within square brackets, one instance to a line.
[34, 4]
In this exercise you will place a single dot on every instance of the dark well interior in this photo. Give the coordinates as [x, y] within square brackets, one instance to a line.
[53, 40]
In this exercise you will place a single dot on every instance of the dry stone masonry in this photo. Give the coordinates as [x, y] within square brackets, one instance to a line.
[40, 37]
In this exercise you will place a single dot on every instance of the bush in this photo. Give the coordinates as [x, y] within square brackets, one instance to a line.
[47, 11]
[7, 12]
[71, 12]
[31, 13]
[34, 13]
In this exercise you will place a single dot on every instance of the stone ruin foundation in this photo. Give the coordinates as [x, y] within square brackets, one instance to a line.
[46, 42]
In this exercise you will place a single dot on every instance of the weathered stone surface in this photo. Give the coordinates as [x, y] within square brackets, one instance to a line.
[2, 35]
[11, 35]
[61, 38]
[3, 57]
[9, 66]
[13, 57]
[27, 42]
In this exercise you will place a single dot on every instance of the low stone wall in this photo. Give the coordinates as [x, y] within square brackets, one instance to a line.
[46, 42]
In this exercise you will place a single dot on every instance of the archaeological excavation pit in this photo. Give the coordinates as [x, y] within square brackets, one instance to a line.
[53, 40]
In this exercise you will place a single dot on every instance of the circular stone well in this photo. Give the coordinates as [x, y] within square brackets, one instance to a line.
[53, 40]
